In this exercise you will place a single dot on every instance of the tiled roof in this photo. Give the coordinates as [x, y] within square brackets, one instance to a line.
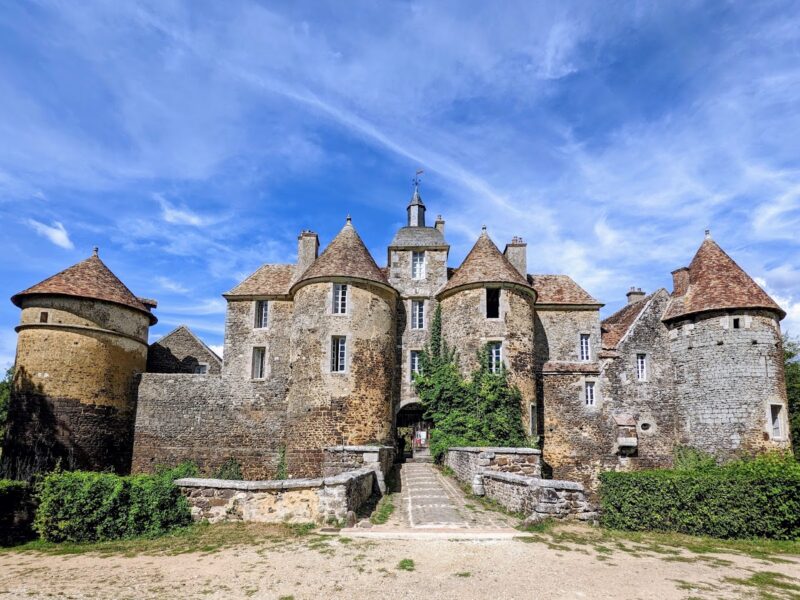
[418, 237]
[345, 256]
[717, 282]
[560, 289]
[484, 264]
[90, 278]
[182, 331]
[614, 328]
[268, 280]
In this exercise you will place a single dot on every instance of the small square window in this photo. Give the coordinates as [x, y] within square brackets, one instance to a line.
[43, 317]
[586, 348]
[262, 314]
[492, 303]
[201, 369]
[338, 353]
[737, 323]
[259, 355]
[339, 298]
[589, 396]
[495, 356]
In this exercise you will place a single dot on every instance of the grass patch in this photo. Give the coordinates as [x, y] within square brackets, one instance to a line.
[769, 584]
[201, 538]
[383, 511]
[406, 565]
[464, 574]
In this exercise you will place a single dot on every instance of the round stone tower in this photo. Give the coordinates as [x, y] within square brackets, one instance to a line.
[82, 339]
[725, 342]
[342, 357]
[489, 301]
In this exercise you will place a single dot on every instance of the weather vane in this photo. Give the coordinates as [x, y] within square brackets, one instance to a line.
[416, 179]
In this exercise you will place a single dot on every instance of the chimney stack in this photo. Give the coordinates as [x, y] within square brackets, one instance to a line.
[517, 254]
[307, 250]
[680, 281]
[634, 295]
[439, 224]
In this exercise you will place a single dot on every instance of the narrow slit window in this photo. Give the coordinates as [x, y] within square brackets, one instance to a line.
[259, 355]
[338, 353]
[776, 421]
[534, 425]
[737, 323]
[641, 367]
[589, 395]
[43, 317]
[262, 313]
[339, 298]
[414, 363]
[495, 356]
[417, 314]
[586, 348]
[418, 265]
[492, 303]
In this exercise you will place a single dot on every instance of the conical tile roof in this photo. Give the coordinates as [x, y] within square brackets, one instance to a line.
[484, 264]
[716, 282]
[90, 278]
[345, 256]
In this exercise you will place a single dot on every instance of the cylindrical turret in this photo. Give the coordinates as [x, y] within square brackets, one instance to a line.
[82, 341]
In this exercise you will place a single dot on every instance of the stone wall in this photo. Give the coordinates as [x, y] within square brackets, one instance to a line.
[208, 419]
[353, 407]
[470, 463]
[341, 459]
[181, 352]
[726, 379]
[321, 500]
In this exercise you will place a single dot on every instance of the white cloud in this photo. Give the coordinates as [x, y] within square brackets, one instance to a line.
[56, 233]
[208, 306]
[171, 285]
[180, 215]
[218, 348]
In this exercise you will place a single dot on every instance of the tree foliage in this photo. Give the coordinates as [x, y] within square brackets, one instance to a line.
[5, 399]
[484, 410]
[791, 355]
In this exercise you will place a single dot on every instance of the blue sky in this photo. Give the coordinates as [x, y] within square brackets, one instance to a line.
[192, 141]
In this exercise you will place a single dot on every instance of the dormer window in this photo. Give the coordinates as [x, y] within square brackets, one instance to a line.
[492, 303]
[418, 265]
[340, 298]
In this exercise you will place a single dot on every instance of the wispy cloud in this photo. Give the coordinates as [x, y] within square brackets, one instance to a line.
[56, 233]
[171, 285]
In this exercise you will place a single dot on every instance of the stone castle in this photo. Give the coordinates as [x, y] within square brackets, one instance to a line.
[320, 353]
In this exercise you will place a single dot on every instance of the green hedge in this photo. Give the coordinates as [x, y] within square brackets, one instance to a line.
[16, 511]
[82, 506]
[744, 499]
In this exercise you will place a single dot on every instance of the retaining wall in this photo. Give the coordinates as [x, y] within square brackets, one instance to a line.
[341, 459]
[319, 500]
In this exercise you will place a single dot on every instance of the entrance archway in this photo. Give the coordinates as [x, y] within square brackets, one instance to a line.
[413, 431]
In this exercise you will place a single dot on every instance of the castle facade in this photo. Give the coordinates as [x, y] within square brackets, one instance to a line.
[322, 353]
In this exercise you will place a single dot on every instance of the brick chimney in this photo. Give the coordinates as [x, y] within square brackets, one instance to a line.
[634, 295]
[439, 224]
[307, 249]
[517, 254]
[680, 281]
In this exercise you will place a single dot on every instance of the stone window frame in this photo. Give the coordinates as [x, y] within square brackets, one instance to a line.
[502, 361]
[332, 305]
[499, 291]
[346, 361]
[421, 302]
[259, 322]
[597, 397]
[410, 362]
[588, 337]
[198, 365]
[264, 363]
[533, 419]
[646, 369]
[782, 425]
[422, 271]
[44, 317]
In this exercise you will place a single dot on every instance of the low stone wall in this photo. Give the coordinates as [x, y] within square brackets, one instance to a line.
[537, 498]
[341, 459]
[320, 500]
[469, 463]
[512, 477]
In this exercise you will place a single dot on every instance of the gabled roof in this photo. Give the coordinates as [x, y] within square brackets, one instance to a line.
[346, 256]
[268, 280]
[717, 282]
[183, 330]
[614, 328]
[484, 264]
[560, 289]
[90, 278]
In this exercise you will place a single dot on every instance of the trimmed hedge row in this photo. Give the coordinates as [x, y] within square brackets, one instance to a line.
[16, 511]
[82, 506]
[743, 499]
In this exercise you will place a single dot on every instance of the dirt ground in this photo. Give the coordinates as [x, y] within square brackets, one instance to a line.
[331, 566]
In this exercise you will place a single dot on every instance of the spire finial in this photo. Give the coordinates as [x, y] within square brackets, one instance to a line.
[416, 181]
[95, 251]
[349, 220]
[483, 230]
[708, 234]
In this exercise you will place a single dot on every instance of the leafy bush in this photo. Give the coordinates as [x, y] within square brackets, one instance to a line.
[484, 410]
[743, 499]
[16, 510]
[81, 506]
[230, 469]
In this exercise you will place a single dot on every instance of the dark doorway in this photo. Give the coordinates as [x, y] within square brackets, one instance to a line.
[413, 431]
